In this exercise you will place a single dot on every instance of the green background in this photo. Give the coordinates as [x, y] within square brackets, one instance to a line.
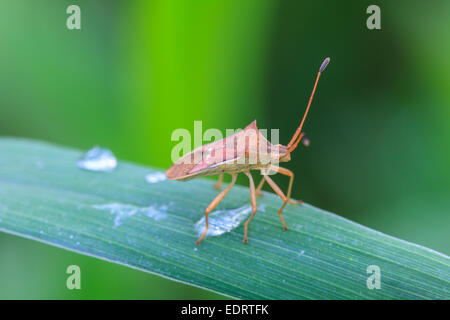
[137, 70]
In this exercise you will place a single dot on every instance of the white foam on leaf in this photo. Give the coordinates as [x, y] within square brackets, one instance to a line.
[121, 211]
[155, 177]
[98, 159]
[222, 221]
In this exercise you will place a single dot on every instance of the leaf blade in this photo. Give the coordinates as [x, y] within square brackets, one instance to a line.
[45, 197]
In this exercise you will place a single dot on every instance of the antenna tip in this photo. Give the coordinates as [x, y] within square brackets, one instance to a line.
[306, 142]
[324, 64]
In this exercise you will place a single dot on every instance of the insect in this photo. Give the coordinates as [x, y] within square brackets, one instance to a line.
[241, 152]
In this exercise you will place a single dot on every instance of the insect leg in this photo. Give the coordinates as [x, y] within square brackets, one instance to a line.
[219, 183]
[253, 202]
[214, 203]
[260, 185]
[281, 195]
[290, 174]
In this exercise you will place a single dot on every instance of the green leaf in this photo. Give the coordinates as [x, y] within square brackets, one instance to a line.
[44, 196]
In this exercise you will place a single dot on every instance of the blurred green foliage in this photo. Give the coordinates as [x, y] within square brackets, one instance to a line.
[138, 70]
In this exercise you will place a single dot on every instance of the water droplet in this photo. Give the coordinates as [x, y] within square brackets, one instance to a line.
[123, 211]
[155, 177]
[221, 221]
[98, 159]
[195, 249]
[71, 236]
[302, 252]
[41, 232]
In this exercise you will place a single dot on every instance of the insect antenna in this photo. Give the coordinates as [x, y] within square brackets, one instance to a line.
[293, 146]
[294, 141]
